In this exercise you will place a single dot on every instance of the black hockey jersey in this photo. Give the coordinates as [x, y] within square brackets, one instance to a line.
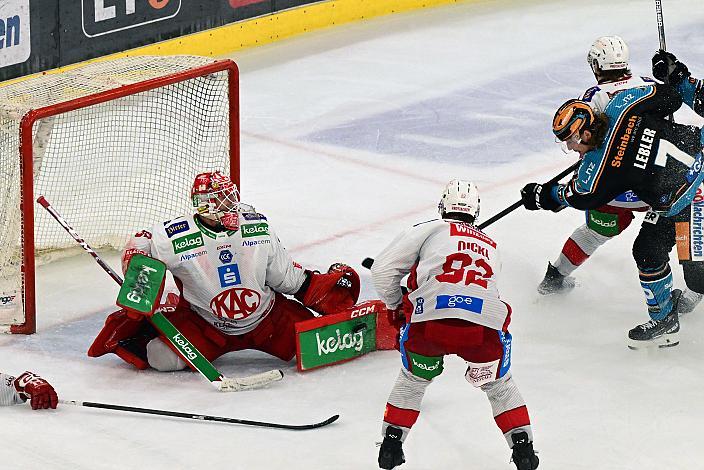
[642, 151]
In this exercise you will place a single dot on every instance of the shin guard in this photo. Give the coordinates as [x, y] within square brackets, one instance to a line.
[657, 287]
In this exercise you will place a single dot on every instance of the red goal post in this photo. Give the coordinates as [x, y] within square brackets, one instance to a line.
[115, 146]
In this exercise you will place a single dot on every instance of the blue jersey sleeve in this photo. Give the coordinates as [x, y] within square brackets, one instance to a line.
[692, 92]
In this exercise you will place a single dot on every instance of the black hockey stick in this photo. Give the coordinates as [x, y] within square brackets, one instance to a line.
[661, 24]
[219, 419]
[661, 36]
[518, 204]
[368, 262]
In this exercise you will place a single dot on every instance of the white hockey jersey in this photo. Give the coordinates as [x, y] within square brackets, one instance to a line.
[8, 393]
[452, 272]
[228, 278]
[600, 95]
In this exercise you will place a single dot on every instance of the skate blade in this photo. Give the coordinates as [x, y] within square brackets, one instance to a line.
[665, 341]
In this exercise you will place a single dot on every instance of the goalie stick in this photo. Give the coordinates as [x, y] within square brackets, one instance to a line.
[198, 417]
[369, 262]
[170, 332]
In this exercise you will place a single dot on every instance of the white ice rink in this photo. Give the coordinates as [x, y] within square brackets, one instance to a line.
[348, 136]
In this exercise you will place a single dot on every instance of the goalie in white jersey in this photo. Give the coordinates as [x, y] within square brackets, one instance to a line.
[452, 307]
[232, 272]
[28, 386]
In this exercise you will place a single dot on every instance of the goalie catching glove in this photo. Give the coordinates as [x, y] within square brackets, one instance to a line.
[330, 292]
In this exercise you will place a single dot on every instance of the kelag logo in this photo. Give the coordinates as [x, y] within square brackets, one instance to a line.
[109, 16]
[14, 32]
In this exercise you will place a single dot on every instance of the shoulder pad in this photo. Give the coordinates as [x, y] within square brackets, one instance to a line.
[589, 94]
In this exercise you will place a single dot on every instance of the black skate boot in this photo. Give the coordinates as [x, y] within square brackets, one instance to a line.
[523, 454]
[554, 282]
[661, 333]
[391, 451]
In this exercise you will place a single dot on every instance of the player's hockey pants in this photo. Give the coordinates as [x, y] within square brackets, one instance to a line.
[424, 345]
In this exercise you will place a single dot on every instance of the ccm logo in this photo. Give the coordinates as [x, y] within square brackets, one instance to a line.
[109, 16]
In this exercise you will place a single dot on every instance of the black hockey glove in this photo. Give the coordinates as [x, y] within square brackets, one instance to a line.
[668, 69]
[537, 196]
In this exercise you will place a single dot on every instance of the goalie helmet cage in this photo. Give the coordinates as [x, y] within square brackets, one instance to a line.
[114, 146]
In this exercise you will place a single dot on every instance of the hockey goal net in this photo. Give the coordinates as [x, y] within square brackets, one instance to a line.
[114, 147]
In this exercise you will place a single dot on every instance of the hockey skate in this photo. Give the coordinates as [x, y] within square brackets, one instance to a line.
[554, 282]
[688, 302]
[661, 333]
[391, 451]
[523, 454]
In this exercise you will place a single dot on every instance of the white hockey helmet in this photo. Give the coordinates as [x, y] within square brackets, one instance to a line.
[608, 53]
[459, 197]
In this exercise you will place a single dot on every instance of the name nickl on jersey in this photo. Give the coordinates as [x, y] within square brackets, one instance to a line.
[644, 147]
[471, 246]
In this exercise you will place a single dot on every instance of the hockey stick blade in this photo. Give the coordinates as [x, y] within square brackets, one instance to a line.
[218, 419]
[238, 384]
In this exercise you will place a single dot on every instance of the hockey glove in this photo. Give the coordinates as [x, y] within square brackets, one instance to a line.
[668, 69]
[396, 317]
[537, 196]
[330, 292]
[31, 387]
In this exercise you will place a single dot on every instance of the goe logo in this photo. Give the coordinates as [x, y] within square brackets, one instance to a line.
[464, 302]
[109, 16]
[15, 45]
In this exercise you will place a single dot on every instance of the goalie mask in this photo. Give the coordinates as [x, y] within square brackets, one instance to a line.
[460, 197]
[215, 197]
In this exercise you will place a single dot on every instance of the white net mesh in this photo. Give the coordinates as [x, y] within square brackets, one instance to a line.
[110, 168]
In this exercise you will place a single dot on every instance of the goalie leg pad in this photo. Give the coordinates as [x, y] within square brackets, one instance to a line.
[206, 338]
[276, 334]
[125, 337]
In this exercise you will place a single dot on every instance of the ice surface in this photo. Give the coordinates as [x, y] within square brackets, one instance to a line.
[348, 136]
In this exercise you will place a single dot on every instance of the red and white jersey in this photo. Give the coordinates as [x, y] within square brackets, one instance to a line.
[228, 278]
[452, 272]
[600, 95]
[8, 393]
